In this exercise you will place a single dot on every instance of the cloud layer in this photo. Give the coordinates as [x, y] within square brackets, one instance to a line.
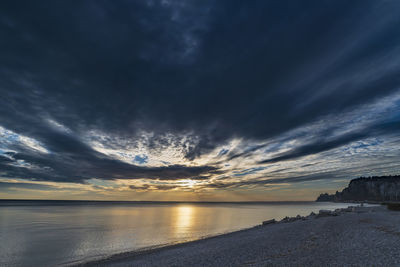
[216, 92]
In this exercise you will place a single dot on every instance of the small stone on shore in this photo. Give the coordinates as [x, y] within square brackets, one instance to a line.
[269, 222]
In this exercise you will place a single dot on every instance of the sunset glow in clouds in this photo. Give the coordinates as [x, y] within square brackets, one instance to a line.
[196, 100]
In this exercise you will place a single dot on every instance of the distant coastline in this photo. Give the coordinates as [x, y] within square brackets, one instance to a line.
[375, 189]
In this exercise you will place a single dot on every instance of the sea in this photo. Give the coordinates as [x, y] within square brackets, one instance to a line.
[52, 233]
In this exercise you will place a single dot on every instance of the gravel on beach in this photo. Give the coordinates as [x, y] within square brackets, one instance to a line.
[365, 236]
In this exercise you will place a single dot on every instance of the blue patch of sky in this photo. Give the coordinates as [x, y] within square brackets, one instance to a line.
[223, 152]
[141, 159]
[12, 136]
[9, 138]
[363, 145]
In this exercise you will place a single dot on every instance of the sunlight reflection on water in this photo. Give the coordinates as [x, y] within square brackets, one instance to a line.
[183, 220]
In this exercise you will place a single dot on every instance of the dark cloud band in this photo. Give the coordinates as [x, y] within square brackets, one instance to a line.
[207, 71]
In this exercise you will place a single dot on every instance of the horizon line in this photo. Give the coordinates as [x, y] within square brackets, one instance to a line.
[154, 201]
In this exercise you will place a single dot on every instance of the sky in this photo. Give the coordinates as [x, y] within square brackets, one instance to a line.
[197, 100]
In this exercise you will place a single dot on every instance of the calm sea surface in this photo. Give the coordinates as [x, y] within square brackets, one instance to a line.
[48, 233]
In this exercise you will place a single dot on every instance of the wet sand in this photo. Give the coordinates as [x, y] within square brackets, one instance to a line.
[363, 236]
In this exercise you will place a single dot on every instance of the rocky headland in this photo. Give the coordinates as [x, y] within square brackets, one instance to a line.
[377, 189]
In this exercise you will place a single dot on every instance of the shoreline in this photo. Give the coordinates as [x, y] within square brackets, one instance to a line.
[155, 255]
[150, 249]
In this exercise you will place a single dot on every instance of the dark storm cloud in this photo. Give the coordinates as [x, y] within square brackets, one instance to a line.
[77, 168]
[5, 160]
[208, 70]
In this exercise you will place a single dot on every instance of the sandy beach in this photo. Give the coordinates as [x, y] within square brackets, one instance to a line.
[364, 236]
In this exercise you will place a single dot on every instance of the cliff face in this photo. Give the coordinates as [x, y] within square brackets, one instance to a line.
[380, 189]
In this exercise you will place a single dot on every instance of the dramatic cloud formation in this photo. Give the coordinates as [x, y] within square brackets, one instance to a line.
[162, 95]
